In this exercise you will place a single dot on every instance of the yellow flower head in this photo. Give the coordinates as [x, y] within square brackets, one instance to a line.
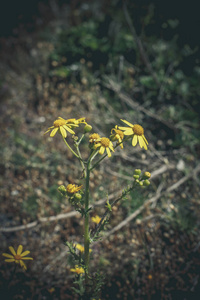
[104, 143]
[81, 248]
[62, 126]
[137, 132]
[73, 188]
[78, 270]
[93, 138]
[96, 219]
[117, 135]
[17, 257]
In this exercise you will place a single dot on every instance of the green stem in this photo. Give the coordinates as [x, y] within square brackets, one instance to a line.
[70, 148]
[107, 212]
[80, 157]
[86, 231]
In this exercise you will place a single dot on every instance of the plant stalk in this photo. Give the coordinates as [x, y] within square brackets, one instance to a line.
[86, 229]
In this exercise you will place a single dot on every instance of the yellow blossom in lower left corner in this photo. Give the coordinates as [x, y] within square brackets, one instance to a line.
[17, 257]
[77, 270]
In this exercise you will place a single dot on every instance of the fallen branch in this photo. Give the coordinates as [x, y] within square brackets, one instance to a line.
[39, 221]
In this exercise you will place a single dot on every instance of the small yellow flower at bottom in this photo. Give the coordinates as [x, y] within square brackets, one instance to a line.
[104, 143]
[17, 257]
[77, 270]
[62, 126]
[73, 188]
[96, 219]
[137, 132]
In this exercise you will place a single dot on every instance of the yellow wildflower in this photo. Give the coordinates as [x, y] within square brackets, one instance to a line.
[104, 143]
[137, 132]
[62, 126]
[81, 248]
[17, 257]
[117, 135]
[73, 188]
[96, 219]
[94, 137]
[77, 270]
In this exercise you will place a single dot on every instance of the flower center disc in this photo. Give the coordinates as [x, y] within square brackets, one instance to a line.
[59, 123]
[138, 130]
[105, 142]
[18, 257]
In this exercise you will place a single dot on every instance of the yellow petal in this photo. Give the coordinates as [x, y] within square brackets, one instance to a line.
[144, 144]
[70, 130]
[102, 149]
[47, 131]
[128, 131]
[19, 250]
[128, 123]
[145, 140]
[111, 147]
[10, 260]
[123, 128]
[97, 145]
[54, 131]
[141, 141]
[134, 140]
[7, 255]
[27, 258]
[22, 264]
[108, 152]
[63, 132]
[119, 139]
[25, 253]
[12, 250]
[73, 270]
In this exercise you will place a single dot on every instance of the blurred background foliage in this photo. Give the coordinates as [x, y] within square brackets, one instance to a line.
[105, 60]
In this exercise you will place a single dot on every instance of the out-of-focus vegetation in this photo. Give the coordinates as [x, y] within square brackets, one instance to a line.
[103, 61]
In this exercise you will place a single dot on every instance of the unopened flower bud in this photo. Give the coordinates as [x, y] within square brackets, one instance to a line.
[141, 183]
[75, 137]
[137, 172]
[62, 190]
[78, 196]
[136, 176]
[146, 182]
[87, 128]
[147, 175]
